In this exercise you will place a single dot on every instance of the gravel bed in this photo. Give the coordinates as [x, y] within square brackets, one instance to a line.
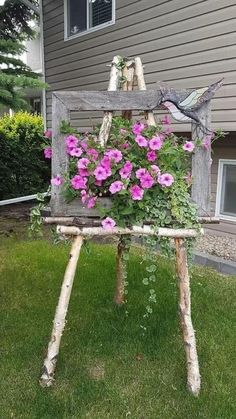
[222, 246]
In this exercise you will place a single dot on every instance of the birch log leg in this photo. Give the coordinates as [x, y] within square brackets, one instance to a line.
[113, 85]
[193, 380]
[120, 277]
[47, 377]
[128, 73]
[123, 246]
[142, 86]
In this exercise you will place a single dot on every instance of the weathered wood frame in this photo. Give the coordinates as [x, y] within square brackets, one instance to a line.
[65, 102]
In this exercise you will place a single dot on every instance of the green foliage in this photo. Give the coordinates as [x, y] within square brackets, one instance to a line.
[15, 75]
[140, 378]
[23, 169]
[15, 18]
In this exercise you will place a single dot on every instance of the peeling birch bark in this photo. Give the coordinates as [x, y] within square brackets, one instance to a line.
[113, 86]
[50, 361]
[119, 294]
[74, 221]
[193, 380]
[128, 85]
[142, 86]
[135, 230]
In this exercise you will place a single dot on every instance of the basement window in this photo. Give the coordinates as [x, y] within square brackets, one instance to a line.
[83, 16]
[226, 190]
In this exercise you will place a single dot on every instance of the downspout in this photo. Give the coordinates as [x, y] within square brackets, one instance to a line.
[44, 110]
[39, 12]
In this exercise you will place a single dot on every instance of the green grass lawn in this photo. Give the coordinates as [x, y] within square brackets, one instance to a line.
[106, 369]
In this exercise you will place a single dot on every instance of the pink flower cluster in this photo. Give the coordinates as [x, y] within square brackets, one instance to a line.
[148, 180]
[118, 171]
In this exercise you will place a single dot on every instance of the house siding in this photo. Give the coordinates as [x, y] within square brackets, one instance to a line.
[188, 44]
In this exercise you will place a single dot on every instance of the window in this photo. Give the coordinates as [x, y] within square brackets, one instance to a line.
[36, 105]
[226, 190]
[82, 16]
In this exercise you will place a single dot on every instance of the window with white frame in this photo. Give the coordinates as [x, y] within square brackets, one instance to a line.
[226, 190]
[82, 16]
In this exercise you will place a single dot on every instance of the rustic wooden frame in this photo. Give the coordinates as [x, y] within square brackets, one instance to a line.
[65, 102]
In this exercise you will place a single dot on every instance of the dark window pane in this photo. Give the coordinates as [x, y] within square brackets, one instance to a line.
[100, 12]
[77, 16]
[228, 193]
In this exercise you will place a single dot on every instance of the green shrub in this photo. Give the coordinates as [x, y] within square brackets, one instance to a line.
[23, 169]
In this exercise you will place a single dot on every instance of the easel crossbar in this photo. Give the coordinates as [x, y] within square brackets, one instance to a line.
[135, 230]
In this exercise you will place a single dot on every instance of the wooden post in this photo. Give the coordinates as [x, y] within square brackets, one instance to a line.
[47, 377]
[142, 86]
[60, 159]
[201, 164]
[113, 85]
[193, 380]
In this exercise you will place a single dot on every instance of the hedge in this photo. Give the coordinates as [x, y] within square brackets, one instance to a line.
[23, 169]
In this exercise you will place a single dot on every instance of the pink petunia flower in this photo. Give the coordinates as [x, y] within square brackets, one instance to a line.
[108, 171]
[78, 182]
[84, 196]
[123, 131]
[115, 155]
[136, 193]
[140, 172]
[75, 152]
[108, 223]
[156, 142]
[91, 202]
[83, 163]
[47, 152]
[141, 141]
[116, 186]
[125, 171]
[206, 142]
[166, 120]
[91, 152]
[168, 130]
[151, 155]
[84, 145]
[57, 180]
[166, 179]
[128, 165]
[155, 169]
[84, 172]
[48, 133]
[125, 145]
[146, 181]
[71, 141]
[105, 162]
[98, 182]
[189, 146]
[137, 128]
[100, 173]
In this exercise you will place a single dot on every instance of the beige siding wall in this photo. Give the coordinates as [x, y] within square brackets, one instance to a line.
[188, 44]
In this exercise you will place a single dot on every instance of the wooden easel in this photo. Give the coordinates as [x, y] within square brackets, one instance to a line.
[77, 228]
